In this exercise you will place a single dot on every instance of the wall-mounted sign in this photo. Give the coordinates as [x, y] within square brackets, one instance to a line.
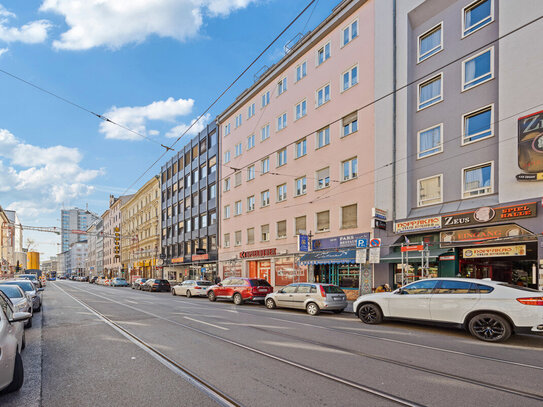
[530, 147]
[379, 213]
[445, 258]
[416, 248]
[487, 214]
[303, 243]
[177, 260]
[495, 251]
[338, 242]
[196, 257]
[418, 225]
[258, 253]
[378, 224]
[465, 237]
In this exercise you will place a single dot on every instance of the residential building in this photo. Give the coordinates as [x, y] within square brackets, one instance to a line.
[77, 258]
[305, 170]
[12, 257]
[112, 237]
[74, 222]
[140, 230]
[189, 204]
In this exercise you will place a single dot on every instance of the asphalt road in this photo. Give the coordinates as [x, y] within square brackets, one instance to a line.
[105, 346]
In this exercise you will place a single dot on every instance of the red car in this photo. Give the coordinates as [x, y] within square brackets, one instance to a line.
[240, 289]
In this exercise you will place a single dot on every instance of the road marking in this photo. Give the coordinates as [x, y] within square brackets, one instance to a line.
[207, 323]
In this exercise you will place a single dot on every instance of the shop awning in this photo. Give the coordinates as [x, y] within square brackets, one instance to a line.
[396, 257]
[329, 257]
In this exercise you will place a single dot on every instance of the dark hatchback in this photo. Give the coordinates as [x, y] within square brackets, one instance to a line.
[154, 284]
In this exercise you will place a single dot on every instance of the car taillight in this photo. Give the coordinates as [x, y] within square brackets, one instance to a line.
[323, 293]
[531, 301]
[196, 287]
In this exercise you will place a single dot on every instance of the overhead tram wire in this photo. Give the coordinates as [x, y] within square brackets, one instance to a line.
[83, 108]
[223, 93]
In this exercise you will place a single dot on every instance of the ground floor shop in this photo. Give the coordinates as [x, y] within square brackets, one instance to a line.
[191, 271]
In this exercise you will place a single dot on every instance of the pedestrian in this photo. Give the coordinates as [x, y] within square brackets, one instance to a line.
[387, 287]
[217, 280]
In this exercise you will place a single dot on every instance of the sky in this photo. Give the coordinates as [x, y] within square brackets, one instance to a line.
[150, 65]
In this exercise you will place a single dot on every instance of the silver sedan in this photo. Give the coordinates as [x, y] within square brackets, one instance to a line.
[191, 288]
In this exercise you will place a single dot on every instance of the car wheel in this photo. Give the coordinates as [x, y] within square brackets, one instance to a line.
[173, 292]
[29, 323]
[188, 294]
[370, 314]
[337, 311]
[312, 309]
[238, 299]
[39, 308]
[212, 297]
[270, 303]
[490, 328]
[18, 375]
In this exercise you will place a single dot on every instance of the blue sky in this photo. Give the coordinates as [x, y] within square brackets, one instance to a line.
[153, 66]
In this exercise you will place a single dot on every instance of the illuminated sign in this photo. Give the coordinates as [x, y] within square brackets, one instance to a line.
[258, 253]
[496, 251]
[418, 225]
[487, 214]
[465, 237]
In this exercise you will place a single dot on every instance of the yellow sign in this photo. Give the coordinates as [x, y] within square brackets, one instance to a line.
[496, 251]
[418, 225]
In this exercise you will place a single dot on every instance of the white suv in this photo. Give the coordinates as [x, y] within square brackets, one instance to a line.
[490, 310]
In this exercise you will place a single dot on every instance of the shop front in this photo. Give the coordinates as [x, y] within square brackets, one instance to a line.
[194, 267]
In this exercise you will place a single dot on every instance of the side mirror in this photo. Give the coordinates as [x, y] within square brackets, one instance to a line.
[41, 289]
[20, 316]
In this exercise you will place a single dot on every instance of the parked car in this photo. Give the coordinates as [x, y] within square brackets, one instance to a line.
[31, 277]
[11, 343]
[21, 302]
[31, 290]
[119, 282]
[192, 287]
[240, 290]
[490, 310]
[93, 279]
[309, 296]
[138, 282]
[154, 284]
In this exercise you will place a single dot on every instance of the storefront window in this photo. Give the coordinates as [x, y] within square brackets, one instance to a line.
[287, 271]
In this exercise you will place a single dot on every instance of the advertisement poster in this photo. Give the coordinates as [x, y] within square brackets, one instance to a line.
[232, 270]
[288, 272]
[530, 147]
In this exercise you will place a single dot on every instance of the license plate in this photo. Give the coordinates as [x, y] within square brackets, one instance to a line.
[338, 299]
[263, 290]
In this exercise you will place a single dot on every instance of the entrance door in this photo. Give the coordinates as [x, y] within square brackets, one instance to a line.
[264, 270]
[253, 269]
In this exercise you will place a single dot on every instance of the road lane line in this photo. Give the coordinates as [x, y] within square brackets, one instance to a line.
[207, 323]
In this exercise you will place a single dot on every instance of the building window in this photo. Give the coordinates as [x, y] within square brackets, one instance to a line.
[226, 184]
[349, 216]
[227, 129]
[265, 132]
[301, 148]
[301, 71]
[282, 122]
[250, 141]
[281, 229]
[323, 178]
[265, 198]
[250, 235]
[430, 190]
[477, 125]
[238, 151]
[251, 111]
[212, 192]
[323, 95]
[238, 120]
[265, 233]
[250, 172]
[349, 78]
[323, 221]
[237, 238]
[251, 203]
[226, 212]
[323, 54]
[349, 169]
[212, 164]
[237, 179]
[478, 69]
[300, 225]
[350, 124]
[281, 157]
[301, 109]
[265, 164]
[349, 33]
[301, 186]
[195, 223]
[431, 42]
[237, 208]
[323, 137]
[282, 86]
[226, 157]
[203, 220]
[226, 240]
[266, 99]
[477, 180]
[180, 228]
[430, 141]
[281, 192]
[430, 92]
[212, 217]
[476, 16]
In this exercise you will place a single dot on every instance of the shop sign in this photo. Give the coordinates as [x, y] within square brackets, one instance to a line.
[303, 243]
[378, 224]
[418, 225]
[448, 257]
[196, 257]
[379, 213]
[416, 248]
[338, 242]
[258, 253]
[177, 260]
[487, 214]
[530, 147]
[496, 251]
[468, 236]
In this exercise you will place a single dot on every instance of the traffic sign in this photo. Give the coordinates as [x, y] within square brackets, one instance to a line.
[375, 242]
[361, 243]
[375, 255]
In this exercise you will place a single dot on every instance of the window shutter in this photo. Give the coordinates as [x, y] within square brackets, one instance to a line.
[323, 220]
[349, 216]
[282, 228]
[250, 235]
[300, 224]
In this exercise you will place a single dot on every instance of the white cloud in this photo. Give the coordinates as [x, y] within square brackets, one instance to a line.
[38, 179]
[136, 117]
[3, 51]
[30, 33]
[114, 23]
[194, 130]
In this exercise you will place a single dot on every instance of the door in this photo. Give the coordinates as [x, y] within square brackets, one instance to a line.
[221, 290]
[414, 302]
[452, 300]
[285, 296]
[301, 295]
[253, 269]
[264, 270]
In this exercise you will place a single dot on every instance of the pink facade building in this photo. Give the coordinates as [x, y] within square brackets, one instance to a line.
[298, 158]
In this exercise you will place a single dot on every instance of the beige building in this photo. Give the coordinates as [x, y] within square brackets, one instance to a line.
[11, 243]
[112, 236]
[140, 231]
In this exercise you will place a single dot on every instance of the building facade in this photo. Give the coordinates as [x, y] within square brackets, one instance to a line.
[296, 147]
[50, 266]
[77, 258]
[91, 265]
[12, 256]
[111, 219]
[77, 220]
[189, 197]
[140, 230]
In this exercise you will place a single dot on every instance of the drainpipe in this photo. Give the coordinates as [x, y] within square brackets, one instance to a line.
[393, 110]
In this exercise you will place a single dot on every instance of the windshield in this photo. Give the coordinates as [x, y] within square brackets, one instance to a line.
[29, 276]
[25, 285]
[332, 289]
[11, 291]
